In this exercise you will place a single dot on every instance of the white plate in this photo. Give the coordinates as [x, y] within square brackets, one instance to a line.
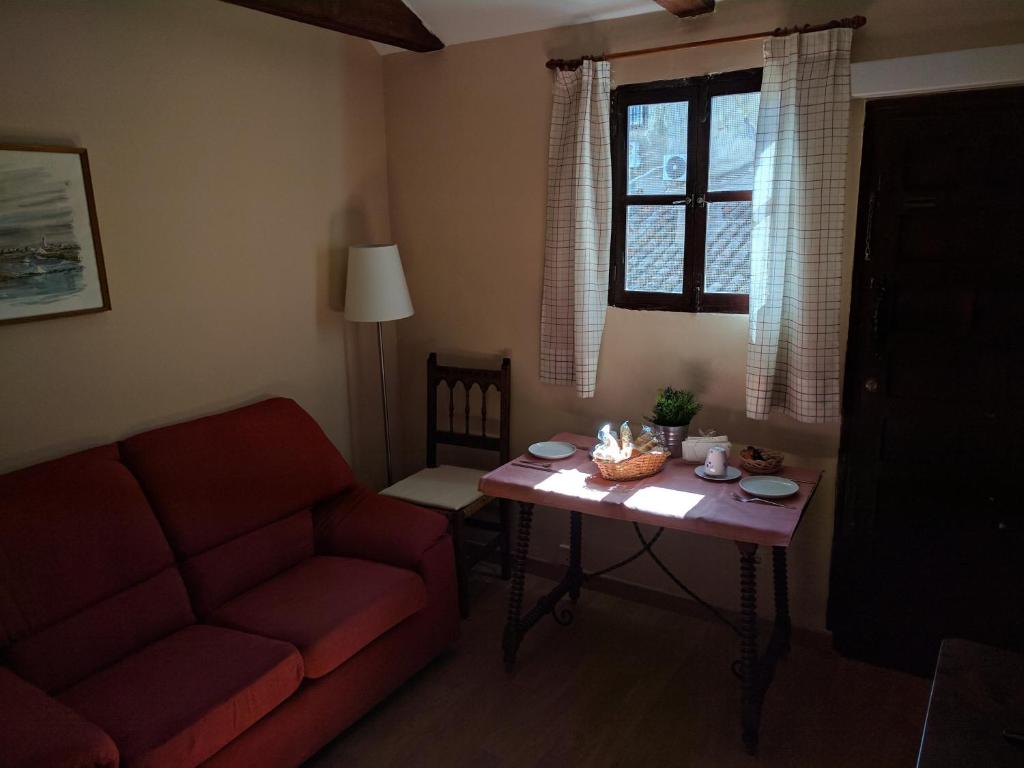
[552, 449]
[731, 473]
[769, 486]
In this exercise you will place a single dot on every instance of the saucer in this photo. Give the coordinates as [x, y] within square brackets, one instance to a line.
[731, 473]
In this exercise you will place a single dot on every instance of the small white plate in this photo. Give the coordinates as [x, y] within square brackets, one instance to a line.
[552, 449]
[769, 486]
[731, 473]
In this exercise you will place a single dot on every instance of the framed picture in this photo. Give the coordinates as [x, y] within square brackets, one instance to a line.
[51, 262]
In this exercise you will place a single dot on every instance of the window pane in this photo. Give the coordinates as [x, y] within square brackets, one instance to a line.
[733, 129]
[727, 255]
[657, 149]
[654, 248]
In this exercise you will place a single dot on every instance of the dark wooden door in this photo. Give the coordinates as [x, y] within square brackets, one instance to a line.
[928, 537]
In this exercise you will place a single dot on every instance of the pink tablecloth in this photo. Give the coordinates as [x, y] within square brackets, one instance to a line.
[674, 498]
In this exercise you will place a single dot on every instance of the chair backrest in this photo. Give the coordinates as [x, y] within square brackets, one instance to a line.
[484, 378]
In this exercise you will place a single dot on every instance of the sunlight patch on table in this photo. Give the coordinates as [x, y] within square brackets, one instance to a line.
[572, 482]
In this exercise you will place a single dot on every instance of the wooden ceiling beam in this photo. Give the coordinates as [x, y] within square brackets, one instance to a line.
[384, 21]
[685, 9]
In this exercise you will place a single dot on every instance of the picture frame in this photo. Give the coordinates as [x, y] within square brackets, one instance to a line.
[51, 259]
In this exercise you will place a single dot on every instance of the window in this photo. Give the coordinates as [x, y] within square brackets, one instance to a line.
[683, 169]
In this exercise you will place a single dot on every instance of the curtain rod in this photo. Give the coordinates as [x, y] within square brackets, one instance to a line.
[854, 22]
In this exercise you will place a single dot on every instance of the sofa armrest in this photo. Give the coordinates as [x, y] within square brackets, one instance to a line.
[39, 730]
[364, 524]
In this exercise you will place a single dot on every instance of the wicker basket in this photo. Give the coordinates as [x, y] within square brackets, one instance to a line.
[636, 467]
[771, 463]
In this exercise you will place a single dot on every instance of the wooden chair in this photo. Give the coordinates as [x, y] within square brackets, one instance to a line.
[453, 490]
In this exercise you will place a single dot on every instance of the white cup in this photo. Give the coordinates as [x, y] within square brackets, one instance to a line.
[717, 462]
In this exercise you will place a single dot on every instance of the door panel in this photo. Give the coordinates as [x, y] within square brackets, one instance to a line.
[927, 529]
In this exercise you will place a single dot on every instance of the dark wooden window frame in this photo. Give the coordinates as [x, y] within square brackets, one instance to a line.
[698, 91]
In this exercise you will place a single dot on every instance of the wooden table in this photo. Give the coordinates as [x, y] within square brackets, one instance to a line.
[978, 692]
[673, 499]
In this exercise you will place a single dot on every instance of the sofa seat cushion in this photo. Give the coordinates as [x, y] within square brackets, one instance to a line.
[181, 699]
[38, 730]
[329, 608]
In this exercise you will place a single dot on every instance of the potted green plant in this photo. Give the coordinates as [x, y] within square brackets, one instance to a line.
[671, 416]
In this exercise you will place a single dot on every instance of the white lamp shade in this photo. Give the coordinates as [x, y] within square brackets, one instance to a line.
[375, 290]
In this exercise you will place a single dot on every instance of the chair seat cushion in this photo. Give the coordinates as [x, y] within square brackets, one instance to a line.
[181, 699]
[329, 608]
[443, 487]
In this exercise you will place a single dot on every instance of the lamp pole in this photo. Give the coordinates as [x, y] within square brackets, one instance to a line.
[384, 400]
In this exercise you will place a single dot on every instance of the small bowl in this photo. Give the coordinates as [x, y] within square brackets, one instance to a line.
[770, 464]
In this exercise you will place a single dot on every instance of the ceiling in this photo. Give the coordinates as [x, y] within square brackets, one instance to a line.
[460, 21]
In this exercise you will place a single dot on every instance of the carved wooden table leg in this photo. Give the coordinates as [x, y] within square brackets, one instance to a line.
[505, 520]
[457, 522]
[513, 630]
[749, 668]
[575, 555]
[783, 626]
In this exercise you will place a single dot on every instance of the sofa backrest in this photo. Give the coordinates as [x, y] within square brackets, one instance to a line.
[233, 493]
[86, 575]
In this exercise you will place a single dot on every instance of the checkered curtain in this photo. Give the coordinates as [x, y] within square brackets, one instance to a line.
[797, 241]
[577, 241]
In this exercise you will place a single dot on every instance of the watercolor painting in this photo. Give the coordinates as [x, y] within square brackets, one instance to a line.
[51, 262]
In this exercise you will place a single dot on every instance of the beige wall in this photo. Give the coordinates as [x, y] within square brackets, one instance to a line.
[234, 156]
[467, 142]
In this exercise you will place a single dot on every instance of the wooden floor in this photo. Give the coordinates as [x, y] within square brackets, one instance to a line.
[629, 685]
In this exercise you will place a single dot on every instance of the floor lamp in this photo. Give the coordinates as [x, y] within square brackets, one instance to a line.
[375, 292]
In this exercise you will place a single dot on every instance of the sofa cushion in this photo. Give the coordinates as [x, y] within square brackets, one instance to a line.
[327, 607]
[76, 533]
[217, 478]
[72, 649]
[331, 703]
[361, 523]
[223, 572]
[40, 731]
[181, 699]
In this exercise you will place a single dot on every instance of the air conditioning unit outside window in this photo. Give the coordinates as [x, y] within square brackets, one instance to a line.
[673, 167]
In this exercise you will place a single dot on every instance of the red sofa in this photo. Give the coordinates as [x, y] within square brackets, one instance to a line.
[218, 592]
